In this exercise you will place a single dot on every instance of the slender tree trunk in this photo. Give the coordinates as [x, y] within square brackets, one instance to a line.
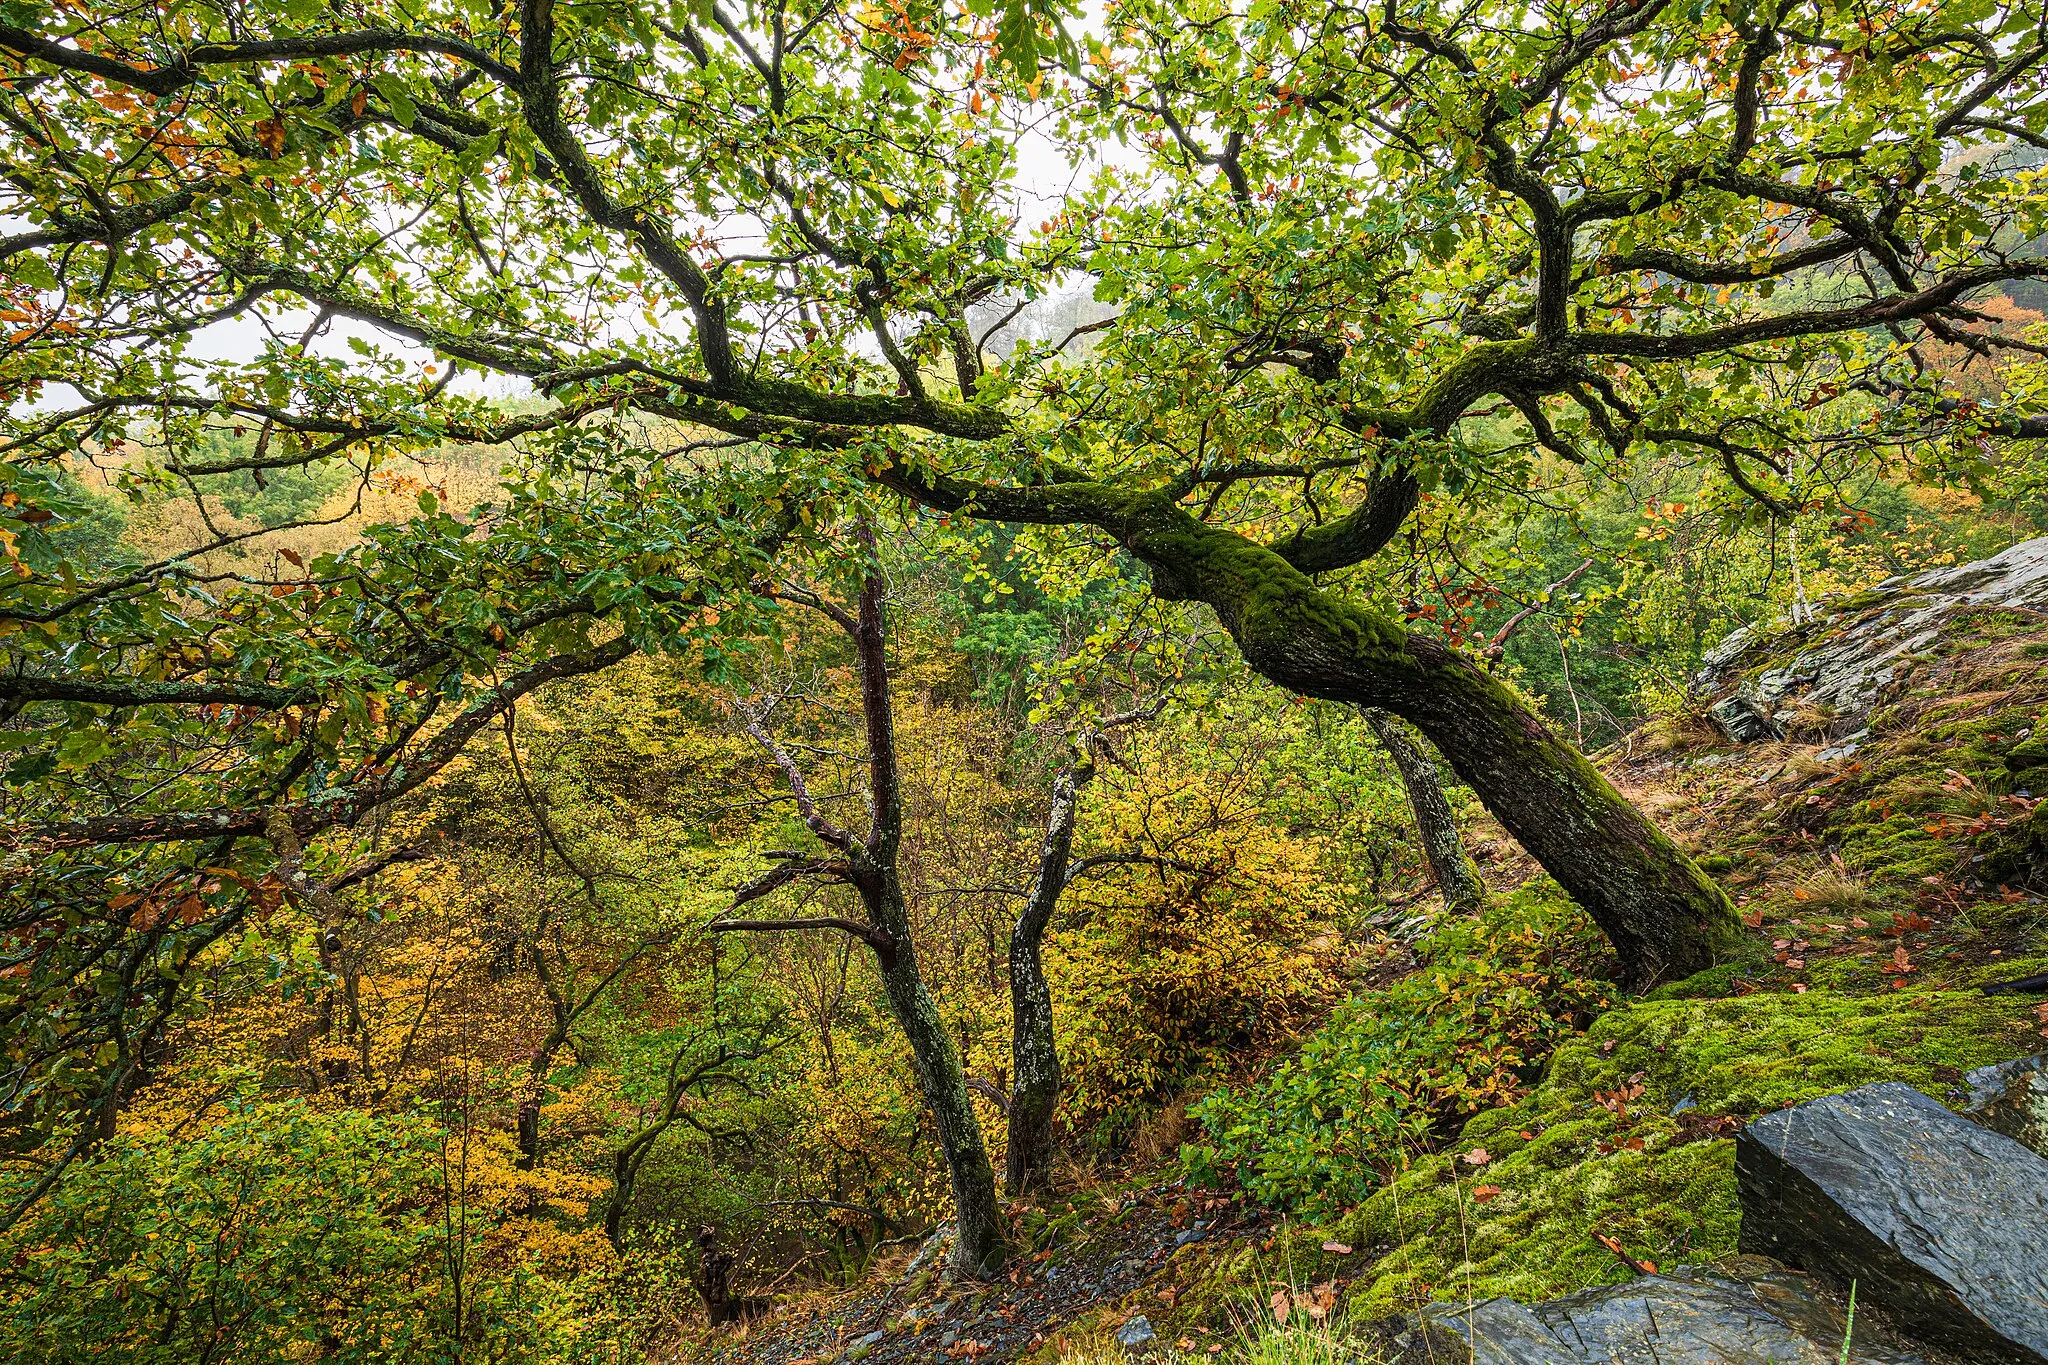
[1455, 874]
[981, 1246]
[1664, 917]
[1035, 1089]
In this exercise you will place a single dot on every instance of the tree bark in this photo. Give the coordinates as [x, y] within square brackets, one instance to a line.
[1664, 917]
[869, 865]
[1456, 875]
[1034, 1059]
[980, 1247]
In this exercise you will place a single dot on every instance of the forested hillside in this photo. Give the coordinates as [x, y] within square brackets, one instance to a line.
[900, 682]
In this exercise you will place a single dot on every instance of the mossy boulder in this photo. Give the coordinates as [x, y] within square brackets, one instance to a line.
[1598, 1151]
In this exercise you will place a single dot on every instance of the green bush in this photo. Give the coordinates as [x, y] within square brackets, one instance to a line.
[1465, 1033]
[278, 1233]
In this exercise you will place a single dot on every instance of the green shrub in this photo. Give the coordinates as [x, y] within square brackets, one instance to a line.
[1463, 1034]
[278, 1233]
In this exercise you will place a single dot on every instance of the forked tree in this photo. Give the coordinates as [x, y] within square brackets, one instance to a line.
[866, 861]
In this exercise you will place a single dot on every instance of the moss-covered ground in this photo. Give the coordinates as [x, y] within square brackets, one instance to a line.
[1880, 889]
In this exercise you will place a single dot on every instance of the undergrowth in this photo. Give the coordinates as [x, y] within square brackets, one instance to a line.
[1462, 1034]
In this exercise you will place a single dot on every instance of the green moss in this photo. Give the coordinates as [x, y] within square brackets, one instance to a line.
[1579, 1172]
[1536, 1237]
[1898, 831]
[1716, 981]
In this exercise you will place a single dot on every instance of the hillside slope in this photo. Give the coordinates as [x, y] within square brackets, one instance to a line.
[1860, 782]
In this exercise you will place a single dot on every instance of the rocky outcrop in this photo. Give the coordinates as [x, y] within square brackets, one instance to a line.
[1938, 1222]
[1842, 661]
[1936, 1219]
[1749, 1311]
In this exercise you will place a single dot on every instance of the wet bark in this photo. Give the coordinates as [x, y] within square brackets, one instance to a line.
[1456, 875]
[715, 1269]
[981, 1248]
[1664, 917]
[869, 865]
[1034, 1060]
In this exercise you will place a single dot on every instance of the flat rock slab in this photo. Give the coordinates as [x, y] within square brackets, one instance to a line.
[1748, 1312]
[1850, 654]
[1942, 1224]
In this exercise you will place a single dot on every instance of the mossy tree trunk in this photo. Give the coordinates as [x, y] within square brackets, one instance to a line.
[1664, 917]
[1034, 1058]
[1436, 824]
[868, 864]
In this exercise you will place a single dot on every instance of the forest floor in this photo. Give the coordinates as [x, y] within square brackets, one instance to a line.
[1095, 1253]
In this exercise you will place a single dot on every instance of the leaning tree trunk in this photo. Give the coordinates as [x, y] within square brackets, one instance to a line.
[981, 1245]
[1664, 917]
[869, 864]
[1456, 875]
[1034, 1060]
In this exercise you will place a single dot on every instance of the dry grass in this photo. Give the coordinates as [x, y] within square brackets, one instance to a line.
[1161, 1135]
[1838, 893]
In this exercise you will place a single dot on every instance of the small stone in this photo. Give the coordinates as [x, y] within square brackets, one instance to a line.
[2012, 1098]
[1137, 1336]
[1743, 721]
[1193, 1234]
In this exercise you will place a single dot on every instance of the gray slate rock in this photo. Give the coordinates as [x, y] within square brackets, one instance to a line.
[1852, 654]
[2012, 1098]
[1490, 1332]
[1749, 1312]
[936, 1247]
[1939, 1221]
[1137, 1336]
[1743, 721]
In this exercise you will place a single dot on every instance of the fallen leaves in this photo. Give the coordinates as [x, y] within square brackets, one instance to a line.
[1485, 1193]
[1617, 1101]
[1694, 1126]
[1478, 1156]
[1315, 1303]
[1337, 1248]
